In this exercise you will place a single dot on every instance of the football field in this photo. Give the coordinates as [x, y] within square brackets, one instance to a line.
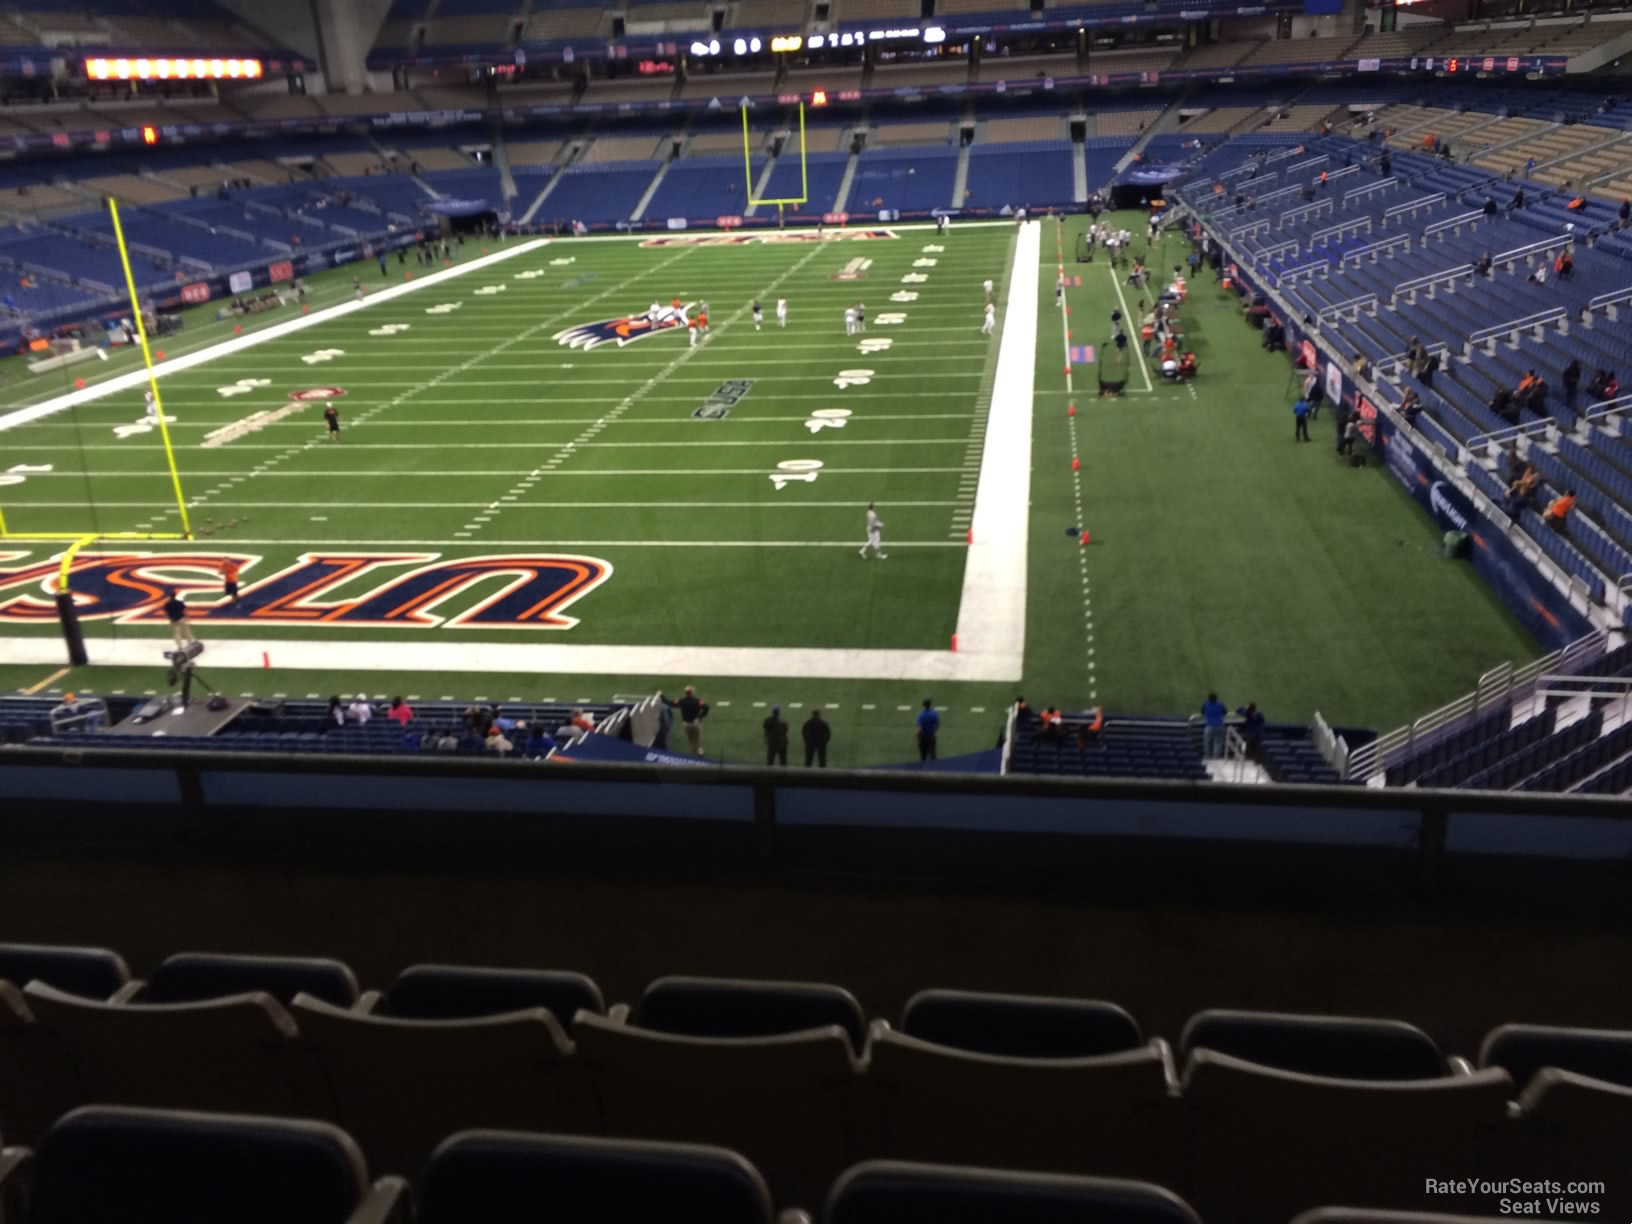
[537, 493]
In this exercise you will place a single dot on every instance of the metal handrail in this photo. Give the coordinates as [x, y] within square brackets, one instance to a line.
[1250, 228]
[1613, 298]
[1610, 408]
[1280, 248]
[1371, 188]
[1308, 270]
[1414, 206]
[1501, 437]
[1357, 225]
[1534, 248]
[1535, 321]
[1307, 210]
[1375, 249]
[1355, 304]
[1449, 276]
[1008, 737]
[1455, 222]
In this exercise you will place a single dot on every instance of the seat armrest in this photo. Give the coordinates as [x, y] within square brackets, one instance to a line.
[618, 1013]
[388, 1202]
[367, 1002]
[793, 1215]
[1457, 1065]
[128, 993]
[1170, 1074]
[15, 1169]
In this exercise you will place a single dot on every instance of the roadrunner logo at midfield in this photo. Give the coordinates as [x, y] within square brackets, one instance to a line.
[404, 590]
[624, 330]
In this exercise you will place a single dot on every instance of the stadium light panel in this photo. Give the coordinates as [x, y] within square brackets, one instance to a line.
[150, 135]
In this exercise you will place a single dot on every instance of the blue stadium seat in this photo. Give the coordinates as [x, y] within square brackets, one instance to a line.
[191, 977]
[1019, 1026]
[483, 1176]
[104, 1165]
[95, 973]
[459, 992]
[1522, 1050]
[894, 1192]
[1341, 1047]
[728, 1007]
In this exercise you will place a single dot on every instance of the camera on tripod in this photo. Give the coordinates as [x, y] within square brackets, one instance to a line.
[181, 661]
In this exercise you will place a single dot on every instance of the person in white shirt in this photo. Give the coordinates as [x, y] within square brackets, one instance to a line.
[990, 320]
[759, 316]
[875, 534]
[781, 312]
[849, 320]
[360, 711]
[152, 403]
[988, 287]
[940, 224]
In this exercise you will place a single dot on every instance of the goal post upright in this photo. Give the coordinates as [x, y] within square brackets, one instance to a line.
[748, 170]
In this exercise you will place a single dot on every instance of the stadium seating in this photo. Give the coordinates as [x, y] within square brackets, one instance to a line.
[194, 977]
[892, 1192]
[1020, 173]
[487, 1175]
[776, 1072]
[94, 973]
[135, 1166]
[1125, 748]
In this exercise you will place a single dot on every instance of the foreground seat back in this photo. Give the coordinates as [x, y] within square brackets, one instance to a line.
[236, 1054]
[457, 992]
[792, 1105]
[1524, 1049]
[37, 1082]
[1342, 1047]
[1019, 1026]
[892, 1192]
[95, 973]
[729, 1007]
[191, 977]
[1264, 1144]
[1112, 1115]
[103, 1165]
[480, 1177]
[1569, 1125]
[403, 1086]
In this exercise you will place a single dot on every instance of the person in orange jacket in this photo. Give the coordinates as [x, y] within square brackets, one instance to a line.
[1558, 510]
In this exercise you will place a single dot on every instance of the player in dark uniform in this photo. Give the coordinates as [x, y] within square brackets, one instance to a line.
[331, 414]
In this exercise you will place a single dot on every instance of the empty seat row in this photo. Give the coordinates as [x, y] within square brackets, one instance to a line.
[792, 1076]
[110, 1165]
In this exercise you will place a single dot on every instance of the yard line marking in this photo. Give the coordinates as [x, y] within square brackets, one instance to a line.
[49, 680]
[1136, 325]
[249, 340]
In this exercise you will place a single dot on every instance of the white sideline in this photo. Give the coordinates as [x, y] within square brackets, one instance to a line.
[992, 613]
[237, 344]
[541, 658]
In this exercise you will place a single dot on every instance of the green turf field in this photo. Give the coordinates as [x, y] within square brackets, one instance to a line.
[1224, 555]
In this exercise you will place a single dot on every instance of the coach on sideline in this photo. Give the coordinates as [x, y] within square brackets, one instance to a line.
[692, 712]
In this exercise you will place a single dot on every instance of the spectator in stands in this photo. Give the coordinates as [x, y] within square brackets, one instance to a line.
[1517, 201]
[1411, 406]
[1088, 732]
[1490, 206]
[1484, 264]
[1022, 714]
[1051, 724]
[1429, 369]
[776, 738]
[692, 712]
[1362, 366]
[1386, 165]
[1351, 435]
[1212, 735]
[1522, 492]
[336, 713]
[816, 733]
[1529, 167]
[1578, 204]
[1572, 381]
[1504, 406]
[1558, 511]
[1530, 379]
[1535, 399]
[1300, 420]
[1625, 213]
[1252, 728]
[360, 711]
[1564, 265]
[1416, 355]
[539, 741]
[400, 712]
[583, 720]
[1512, 465]
[497, 743]
[929, 728]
